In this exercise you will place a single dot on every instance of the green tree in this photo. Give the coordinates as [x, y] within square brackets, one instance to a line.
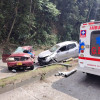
[73, 13]
[44, 21]
[26, 20]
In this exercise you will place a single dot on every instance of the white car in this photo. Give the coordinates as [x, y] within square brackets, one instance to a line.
[59, 52]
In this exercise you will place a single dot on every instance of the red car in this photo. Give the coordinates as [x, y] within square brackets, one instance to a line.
[22, 58]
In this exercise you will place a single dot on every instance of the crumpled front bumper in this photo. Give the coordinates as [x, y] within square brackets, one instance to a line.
[42, 61]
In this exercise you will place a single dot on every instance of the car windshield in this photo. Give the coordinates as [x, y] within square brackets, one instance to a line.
[19, 50]
[54, 48]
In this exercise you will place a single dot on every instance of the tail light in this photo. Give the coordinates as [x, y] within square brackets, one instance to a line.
[82, 51]
[10, 59]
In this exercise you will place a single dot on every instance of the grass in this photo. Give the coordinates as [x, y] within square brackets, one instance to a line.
[27, 75]
[38, 51]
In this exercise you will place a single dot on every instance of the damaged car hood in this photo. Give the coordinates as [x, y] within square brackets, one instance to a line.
[45, 54]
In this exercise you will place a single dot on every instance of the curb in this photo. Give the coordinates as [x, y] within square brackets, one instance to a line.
[30, 80]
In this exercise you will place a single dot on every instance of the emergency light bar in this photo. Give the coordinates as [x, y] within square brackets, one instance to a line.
[91, 23]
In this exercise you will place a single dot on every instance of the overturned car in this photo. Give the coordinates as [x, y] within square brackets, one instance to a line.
[59, 52]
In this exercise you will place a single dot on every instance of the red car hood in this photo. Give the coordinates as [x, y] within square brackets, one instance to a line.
[19, 55]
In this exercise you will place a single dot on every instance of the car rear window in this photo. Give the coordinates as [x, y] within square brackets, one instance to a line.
[95, 43]
[19, 50]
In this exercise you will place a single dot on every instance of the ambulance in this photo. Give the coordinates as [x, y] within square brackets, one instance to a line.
[89, 48]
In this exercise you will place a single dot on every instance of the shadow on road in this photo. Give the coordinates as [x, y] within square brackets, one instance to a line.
[80, 86]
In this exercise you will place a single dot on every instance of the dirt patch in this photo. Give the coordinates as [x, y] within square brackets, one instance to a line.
[38, 51]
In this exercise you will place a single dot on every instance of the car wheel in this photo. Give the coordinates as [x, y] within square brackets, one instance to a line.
[32, 67]
[89, 75]
[41, 64]
[9, 68]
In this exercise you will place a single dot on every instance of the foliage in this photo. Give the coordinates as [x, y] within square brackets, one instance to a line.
[44, 22]
[73, 13]
[33, 20]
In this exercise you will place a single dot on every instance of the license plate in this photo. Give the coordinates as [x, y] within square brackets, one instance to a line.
[19, 63]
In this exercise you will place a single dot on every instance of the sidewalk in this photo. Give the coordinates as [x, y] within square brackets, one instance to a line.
[41, 90]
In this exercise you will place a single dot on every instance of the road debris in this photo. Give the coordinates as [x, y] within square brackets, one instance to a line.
[66, 74]
[14, 71]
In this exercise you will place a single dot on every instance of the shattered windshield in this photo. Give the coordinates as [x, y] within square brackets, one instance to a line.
[19, 50]
[54, 48]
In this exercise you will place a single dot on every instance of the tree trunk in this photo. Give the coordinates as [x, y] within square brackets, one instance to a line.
[13, 23]
[11, 30]
[31, 6]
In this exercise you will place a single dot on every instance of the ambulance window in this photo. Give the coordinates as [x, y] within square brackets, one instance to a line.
[95, 43]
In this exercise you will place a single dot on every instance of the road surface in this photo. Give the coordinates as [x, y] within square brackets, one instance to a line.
[4, 72]
[75, 87]
[80, 86]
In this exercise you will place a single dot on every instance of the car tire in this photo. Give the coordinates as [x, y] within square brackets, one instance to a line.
[41, 64]
[89, 75]
[9, 68]
[22, 68]
[32, 67]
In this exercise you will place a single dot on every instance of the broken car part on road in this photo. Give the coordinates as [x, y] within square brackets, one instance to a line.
[66, 74]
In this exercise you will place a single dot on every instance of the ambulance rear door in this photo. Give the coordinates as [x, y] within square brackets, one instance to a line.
[93, 57]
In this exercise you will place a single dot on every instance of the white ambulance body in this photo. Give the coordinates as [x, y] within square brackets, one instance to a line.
[89, 48]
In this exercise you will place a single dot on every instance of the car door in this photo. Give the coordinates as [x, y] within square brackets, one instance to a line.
[6, 53]
[61, 53]
[73, 50]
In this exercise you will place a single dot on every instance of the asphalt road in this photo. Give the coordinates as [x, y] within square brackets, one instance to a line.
[80, 86]
[4, 72]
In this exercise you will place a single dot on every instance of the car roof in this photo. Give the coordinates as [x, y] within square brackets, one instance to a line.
[27, 47]
[66, 43]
